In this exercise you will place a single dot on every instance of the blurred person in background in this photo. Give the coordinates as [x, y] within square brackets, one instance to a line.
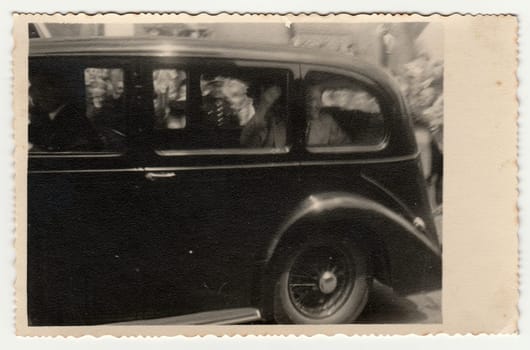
[421, 81]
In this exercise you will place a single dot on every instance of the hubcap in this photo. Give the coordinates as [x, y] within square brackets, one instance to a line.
[327, 282]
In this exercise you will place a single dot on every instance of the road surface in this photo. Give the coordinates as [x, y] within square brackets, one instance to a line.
[385, 306]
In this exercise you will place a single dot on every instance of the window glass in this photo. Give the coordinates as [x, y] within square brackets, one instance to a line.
[341, 112]
[226, 101]
[76, 110]
[238, 109]
[244, 109]
[170, 95]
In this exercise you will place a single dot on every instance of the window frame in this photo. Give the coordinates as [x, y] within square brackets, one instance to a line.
[366, 83]
[127, 65]
[194, 68]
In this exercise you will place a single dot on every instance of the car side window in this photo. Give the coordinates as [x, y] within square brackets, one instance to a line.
[237, 110]
[245, 109]
[341, 113]
[76, 109]
[170, 96]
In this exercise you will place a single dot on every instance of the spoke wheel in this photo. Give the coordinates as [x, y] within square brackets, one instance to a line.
[322, 281]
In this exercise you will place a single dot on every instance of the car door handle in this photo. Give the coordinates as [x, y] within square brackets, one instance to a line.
[157, 176]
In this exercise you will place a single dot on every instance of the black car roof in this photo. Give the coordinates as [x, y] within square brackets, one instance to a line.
[167, 46]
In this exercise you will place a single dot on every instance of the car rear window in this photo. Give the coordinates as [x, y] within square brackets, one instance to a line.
[341, 114]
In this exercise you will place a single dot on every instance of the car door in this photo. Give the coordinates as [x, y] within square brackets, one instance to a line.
[213, 202]
[83, 201]
[346, 129]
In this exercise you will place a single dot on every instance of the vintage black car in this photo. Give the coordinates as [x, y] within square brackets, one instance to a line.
[218, 182]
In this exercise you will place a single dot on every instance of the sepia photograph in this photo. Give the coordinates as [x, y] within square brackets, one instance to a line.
[234, 173]
[259, 174]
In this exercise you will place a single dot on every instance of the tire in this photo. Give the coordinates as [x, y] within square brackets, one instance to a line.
[324, 280]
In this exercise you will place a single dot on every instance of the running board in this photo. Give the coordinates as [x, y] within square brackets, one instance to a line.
[227, 316]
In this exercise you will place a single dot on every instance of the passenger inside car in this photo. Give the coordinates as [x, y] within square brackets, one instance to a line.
[175, 117]
[243, 110]
[356, 111]
[77, 111]
[322, 129]
[57, 118]
[226, 102]
[106, 106]
[266, 129]
[170, 88]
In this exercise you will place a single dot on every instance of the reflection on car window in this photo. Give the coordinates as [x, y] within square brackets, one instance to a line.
[106, 105]
[350, 100]
[341, 112]
[238, 109]
[76, 110]
[170, 88]
[245, 109]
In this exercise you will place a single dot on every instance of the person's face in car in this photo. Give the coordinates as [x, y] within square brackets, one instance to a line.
[98, 97]
[314, 103]
[236, 94]
[117, 90]
[46, 98]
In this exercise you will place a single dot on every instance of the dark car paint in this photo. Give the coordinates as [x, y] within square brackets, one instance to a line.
[105, 243]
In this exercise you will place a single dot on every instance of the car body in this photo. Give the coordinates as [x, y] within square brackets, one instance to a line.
[180, 220]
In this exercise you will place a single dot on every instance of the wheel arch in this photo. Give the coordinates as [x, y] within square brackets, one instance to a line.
[401, 255]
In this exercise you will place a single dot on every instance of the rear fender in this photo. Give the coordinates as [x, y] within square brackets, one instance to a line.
[413, 262]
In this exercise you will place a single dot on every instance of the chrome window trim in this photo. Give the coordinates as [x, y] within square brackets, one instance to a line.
[86, 171]
[410, 157]
[74, 155]
[348, 148]
[391, 159]
[224, 151]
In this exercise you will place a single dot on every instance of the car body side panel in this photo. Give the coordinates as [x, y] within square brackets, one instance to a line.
[83, 231]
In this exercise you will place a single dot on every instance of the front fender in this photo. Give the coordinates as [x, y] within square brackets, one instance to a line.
[413, 261]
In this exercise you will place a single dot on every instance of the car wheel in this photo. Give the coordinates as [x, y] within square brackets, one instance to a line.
[323, 281]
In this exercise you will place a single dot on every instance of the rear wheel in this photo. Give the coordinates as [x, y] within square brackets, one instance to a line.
[324, 280]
